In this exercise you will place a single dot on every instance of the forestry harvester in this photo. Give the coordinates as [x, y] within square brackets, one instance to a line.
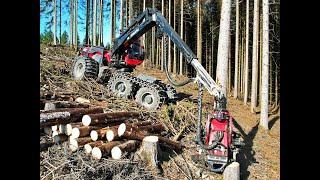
[220, 142]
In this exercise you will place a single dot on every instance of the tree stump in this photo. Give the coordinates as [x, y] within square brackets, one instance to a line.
[232, 172]
[150, 152]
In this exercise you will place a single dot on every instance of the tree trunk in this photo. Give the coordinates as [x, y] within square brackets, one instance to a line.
[246, 75]
[229, 67]
[150, 151]
[60, 22]
[130, 12]
[76, 24]
[82, 131]
[153, 41]
[162, 39]
[104, 149]
[199, 41]
[174, 45]
[232, 172]
[71, 24]
[169, 41]
[54, 22]
[223, 46]
[117, 151]
[143, 126]
[112, 133]
[265, 65]
[74, 144]
[105, 118]
[88, 147]
[121, 15]
[236, 70]
[181, 35]
[144, 35]
[66, 116]
[87, 22]
[255, 47]
[95, 22]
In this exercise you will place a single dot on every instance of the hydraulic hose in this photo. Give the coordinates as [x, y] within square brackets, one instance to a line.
[173, 82]
[199, 134]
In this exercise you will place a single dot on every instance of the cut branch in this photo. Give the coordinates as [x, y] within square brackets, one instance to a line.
[104, 149]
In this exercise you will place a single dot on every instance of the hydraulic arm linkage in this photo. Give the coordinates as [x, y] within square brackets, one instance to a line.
[153, 18]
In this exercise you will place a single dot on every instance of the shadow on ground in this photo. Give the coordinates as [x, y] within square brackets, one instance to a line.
[246, 155]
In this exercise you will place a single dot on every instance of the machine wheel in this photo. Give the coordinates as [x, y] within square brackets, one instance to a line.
[84, 67]
[121, 87]
[149, 98]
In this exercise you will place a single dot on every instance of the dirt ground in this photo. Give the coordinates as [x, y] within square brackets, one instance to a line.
[260, 158]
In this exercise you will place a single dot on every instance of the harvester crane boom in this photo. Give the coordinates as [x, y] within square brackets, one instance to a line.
[150, 18]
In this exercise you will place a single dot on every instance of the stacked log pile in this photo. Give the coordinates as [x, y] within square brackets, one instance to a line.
[99, 133]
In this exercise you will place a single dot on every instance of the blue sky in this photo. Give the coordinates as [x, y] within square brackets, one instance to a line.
[81, 22]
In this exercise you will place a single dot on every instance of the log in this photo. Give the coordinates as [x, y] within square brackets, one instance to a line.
[66, 116]
[64, 104]
[70, 126]
[54, 128]
[112, 133]
[60, 138]
[104, 149]
[92, 119]
[82, 131]
[144, 125]
[117, 151]
[150, 151]
[232, 172]
[101, 133]
[75, 143]
[137, 135]
[88, 147]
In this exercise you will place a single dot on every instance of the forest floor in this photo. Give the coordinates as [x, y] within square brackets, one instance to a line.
[259, 159]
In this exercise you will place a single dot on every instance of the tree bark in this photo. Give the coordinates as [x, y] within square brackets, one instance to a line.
[246, 73]
[87, 22]
[174, 45]
[223, 46]
[255, 47]
[65, 116]
[54, 22]
[265, 65]
[95, 22]
[199, 41]
[144, 127]
[104, 149]
[121, 15]
[106, 118]
[88, 147]
[162, 39]
[83, 131]
[150, 151]
[71, 24]
[169, 41]
[117, 151]
[74, 144]
[236, 70]
[232, 172]
[137, 135]
[181, 35]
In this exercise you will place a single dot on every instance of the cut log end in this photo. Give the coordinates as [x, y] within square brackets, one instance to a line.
[96, 153]
[86, 120]
[75, 132]
[54, 128]
[68, 129]
[94, 135]
[110, 135]
[116, 153]
[73, 144]
[121, 129]
[151, 139]
[87, 148]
